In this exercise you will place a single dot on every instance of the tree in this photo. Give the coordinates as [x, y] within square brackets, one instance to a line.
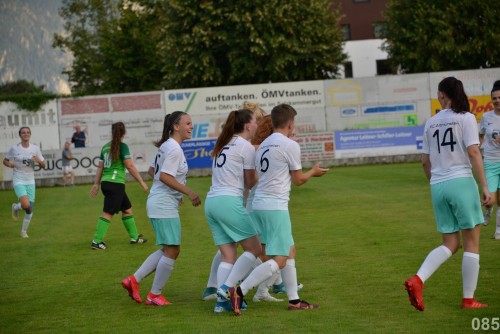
[138, 45]
[211, 43]
[113, 45]
[430, 35]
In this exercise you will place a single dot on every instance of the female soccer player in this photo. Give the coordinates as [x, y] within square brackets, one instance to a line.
[278, 164]
[22, 158]
[169, 171]
[489, 137]
[233, 171]
[115, 157]
[451, 152]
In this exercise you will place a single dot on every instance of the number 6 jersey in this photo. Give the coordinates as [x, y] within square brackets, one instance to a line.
[446, 138]
[276, 157]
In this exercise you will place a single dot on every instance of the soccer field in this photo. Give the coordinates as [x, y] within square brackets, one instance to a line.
[360, 232]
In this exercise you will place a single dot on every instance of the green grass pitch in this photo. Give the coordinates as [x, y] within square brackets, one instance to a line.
[360, 231]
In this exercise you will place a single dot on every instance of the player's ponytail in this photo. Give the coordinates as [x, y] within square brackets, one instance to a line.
[454, 90]
[117, 132]
[234, 124]
[168, 126]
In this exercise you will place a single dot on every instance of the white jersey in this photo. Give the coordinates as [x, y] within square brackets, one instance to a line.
[163, 201]
[446, 138]
[24, 172]
[490, 128]
[276, 157]
[228, 168]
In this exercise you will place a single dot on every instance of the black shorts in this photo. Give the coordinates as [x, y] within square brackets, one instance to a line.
[115, 198]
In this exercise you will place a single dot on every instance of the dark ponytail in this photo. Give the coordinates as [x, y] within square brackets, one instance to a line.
[454, 90]
[168, 126]
[117, 132]
[235, 123]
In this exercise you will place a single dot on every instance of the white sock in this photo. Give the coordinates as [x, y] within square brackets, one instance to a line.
[278, 279]
[259, 275]
[435, 259]
[470, 273]
[163, 270]
[498, 221]
[289, 274]
[212, 279]
[26, 222]
[223, 272]
[241, 268]
[148, 266]
[17, 206]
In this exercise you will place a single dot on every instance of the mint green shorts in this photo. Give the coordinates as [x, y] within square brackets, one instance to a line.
[25, 190]
[276, 231]
[259, 227]
[492, 173]
[456, 205]
[228, 219]
[167, 231]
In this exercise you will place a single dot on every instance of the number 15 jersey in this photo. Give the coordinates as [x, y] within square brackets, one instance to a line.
[446, 138]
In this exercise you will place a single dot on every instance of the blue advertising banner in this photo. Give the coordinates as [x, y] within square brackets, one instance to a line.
[374, 138]
[198, 152]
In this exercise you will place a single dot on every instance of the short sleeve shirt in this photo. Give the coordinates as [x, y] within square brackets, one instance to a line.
[276, 157]
[163, 201]
[114, 171]
[24, 172]
[447, 135]
[228, 168]
[490, 128]
[65, 159]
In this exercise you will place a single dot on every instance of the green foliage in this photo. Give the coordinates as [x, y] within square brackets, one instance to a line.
[213, 43]
[359, 232]
[430, 36]
[122, 46]
[26, 95]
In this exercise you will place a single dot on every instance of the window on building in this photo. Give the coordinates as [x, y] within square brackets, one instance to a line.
[378, 29]
[384, 67]
[346, 32]
[348, 69]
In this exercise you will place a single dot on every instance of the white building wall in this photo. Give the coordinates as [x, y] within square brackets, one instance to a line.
[363, 54]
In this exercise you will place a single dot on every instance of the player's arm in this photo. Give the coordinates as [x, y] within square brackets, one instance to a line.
[39, 161]
[426, 165]
[151, 172]
[170, 181]
[476, 161]
[299, 177]
[250, 178]
[129, 164]
[8, 163]
[97, 179]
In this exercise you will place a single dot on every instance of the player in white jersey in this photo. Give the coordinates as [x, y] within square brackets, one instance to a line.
[489, 136]
[233, 171]
[278, 164]
[450, 153]
[264, 129]
[22, 158]
[169, 170]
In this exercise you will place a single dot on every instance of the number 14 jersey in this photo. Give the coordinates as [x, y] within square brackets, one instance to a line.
[446, 138]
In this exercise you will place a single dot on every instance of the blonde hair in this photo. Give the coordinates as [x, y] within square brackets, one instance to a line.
[255, 107]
